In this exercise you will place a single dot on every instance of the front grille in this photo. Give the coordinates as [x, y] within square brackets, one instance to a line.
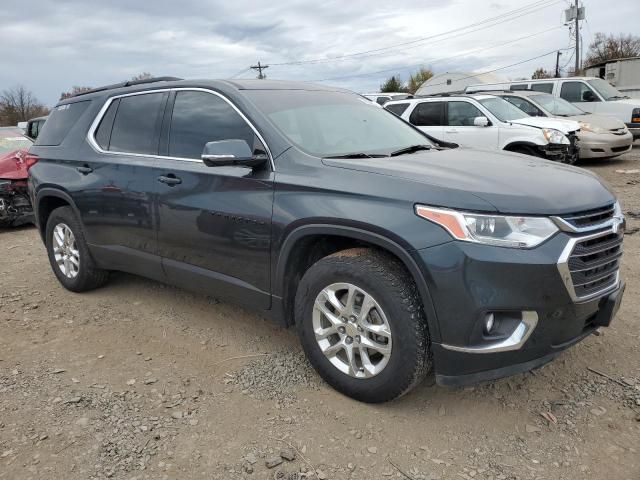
[594, 263]
[589, 218]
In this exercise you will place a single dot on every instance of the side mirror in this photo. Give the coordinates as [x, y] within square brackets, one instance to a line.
[231, 153]
[481, 122]
[588, 96]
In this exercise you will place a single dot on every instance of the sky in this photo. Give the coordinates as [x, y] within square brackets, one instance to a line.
[357, 44]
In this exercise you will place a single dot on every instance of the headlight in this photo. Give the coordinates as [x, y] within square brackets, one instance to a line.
[587, 127]
[555, 136]
[498, 230]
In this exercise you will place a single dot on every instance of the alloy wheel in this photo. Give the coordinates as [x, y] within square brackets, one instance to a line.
[65, 251]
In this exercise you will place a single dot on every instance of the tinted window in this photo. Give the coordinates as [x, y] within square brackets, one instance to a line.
[542, 87]
[60, 122]
[574, 91]
[382, 100]
[103, 133]
[525, 105]
[397, 108]
[519, 86]
[137, 122]
[462, 114]
[428, 114]
[199, 118]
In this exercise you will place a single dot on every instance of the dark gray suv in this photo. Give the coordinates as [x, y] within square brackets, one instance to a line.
[394, 254]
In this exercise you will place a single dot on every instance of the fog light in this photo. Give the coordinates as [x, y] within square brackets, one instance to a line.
[489, 322]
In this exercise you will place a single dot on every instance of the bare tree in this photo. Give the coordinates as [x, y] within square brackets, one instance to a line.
[18, 104]
[142, 76]
[541, 73]
[75, 90]
[610, 47]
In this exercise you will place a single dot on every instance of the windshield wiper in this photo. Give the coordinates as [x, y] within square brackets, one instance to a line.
[411, 149]
[357, 155]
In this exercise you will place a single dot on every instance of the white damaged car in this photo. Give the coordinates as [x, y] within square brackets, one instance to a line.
[490, 122]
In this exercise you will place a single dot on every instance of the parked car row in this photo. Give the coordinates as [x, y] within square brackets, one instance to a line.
[541, 124]
[395, 254]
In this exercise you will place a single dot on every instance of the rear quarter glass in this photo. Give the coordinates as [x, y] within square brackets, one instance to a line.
[60, 122]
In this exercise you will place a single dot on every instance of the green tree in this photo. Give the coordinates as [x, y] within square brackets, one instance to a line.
[392, 84]
[541, 73]
[418, 78]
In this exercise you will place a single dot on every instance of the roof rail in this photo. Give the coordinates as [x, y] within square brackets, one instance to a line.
[128, 83]
[506, 90]
[443, 94]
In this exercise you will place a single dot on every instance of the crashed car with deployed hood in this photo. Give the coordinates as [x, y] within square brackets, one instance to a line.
[15, 207]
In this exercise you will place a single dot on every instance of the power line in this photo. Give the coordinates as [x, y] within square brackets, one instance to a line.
[440, 59]
[494, 21]
[240, 72]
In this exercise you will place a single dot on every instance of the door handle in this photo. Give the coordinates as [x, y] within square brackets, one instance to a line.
[451, 131]
[170, 180]
[85, 169]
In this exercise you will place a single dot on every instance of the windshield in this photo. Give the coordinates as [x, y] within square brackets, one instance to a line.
[605, 89]
[325, 123]
[11, 139]
[503, 110]
[556, 106]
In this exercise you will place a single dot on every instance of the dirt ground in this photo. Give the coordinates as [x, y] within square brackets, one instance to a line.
[139, 380]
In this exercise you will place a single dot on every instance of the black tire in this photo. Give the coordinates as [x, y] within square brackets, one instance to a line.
[386, 280]
[88, 276]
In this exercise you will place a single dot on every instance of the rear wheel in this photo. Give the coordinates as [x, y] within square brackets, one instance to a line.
[68, 253]
[361, 325]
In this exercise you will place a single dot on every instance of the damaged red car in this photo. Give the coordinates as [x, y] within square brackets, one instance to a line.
[15, 207]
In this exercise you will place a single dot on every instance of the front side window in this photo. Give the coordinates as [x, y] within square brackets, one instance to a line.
[397, 108]
[525, 105]
[137, 123]
[462, 114]
[575, 92]
[331, 123]
[201, 117]
[558, 106]
[428, 114]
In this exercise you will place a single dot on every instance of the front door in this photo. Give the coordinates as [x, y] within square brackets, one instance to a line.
[459, 127]
[214, 223]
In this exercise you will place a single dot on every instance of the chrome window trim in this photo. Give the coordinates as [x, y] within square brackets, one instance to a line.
[565, 273]
[515, 341]
[103, 110]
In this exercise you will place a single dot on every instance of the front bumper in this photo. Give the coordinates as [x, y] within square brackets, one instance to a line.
[634, 128]
[466, 281]
[604, 145]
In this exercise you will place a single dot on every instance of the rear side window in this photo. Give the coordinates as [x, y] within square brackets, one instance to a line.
[428, 114]
[519, 86]
[103, 133]
[397, 108]
[59, 123]
[199, 118]
[137, 122]
[542, 87]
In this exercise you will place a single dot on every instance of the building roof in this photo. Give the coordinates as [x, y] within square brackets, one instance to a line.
[625, 59]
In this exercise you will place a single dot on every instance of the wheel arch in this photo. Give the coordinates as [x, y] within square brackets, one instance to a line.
[304, 239]
[47, 200]
[520, 143]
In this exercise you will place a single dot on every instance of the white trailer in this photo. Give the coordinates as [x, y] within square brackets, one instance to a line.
[623, 73]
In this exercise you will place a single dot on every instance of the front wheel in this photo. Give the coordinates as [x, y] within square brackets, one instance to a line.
[361, 324]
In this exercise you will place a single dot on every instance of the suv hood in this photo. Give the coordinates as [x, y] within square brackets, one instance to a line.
[565, 126]
[511, 183]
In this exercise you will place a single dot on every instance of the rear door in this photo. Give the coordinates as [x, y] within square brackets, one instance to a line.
[460, 128]
[214, 227]
[428, 117]
[119, 186]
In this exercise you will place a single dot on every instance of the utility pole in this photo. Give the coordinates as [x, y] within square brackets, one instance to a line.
[558, 63]
[261, 67]
[577, 39]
